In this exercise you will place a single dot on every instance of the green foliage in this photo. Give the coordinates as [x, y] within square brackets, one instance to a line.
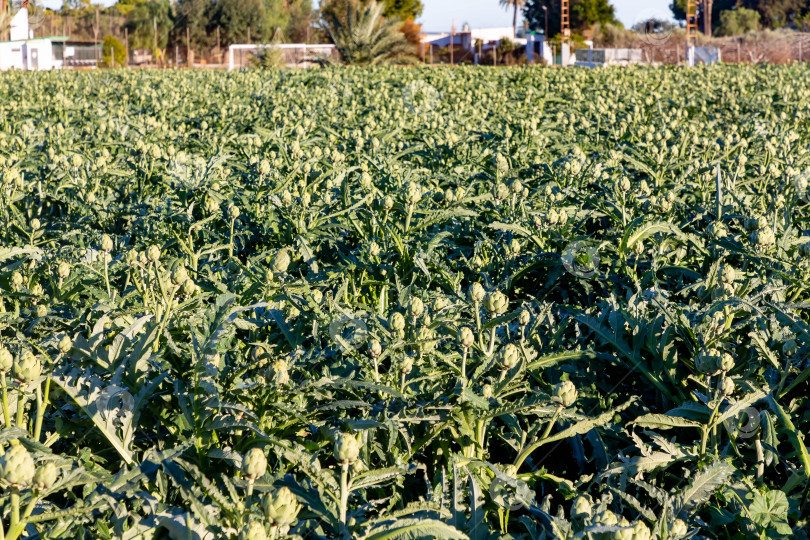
[364, 37]
[114, 54]
[737, 22]
[418, 306]
[142, 20]
[584, 13]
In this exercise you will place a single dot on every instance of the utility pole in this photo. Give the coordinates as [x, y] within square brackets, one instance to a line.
[707, 17]
[545, 32]
[452, 41]
[154, 26]
[217, 40]
[95, 38]
[248, 35]
[189, 54]
[565, 21]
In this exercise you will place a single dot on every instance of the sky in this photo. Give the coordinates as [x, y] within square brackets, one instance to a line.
[439, 14]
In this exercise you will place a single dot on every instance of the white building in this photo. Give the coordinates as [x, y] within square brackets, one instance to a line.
[484, 39]
[28, 53]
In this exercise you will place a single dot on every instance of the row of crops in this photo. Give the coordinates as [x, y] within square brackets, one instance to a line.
[405, 303]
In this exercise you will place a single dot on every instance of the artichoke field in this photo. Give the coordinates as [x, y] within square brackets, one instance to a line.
[398, 303]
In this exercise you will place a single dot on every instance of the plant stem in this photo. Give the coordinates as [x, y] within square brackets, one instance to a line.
[40, 412]
[107, 276]
[408, 217]
[344, 493]
[15, 509]
[464, 366]
[6, 415]
[538, 443]
[20, 408]
[230, 244]
[551, 422]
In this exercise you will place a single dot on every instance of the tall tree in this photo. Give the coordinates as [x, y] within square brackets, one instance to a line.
[144, 17]
[584, 13]
[235, 17]
[515, 5]
[402, 9]
[364, 37]
[196, 16]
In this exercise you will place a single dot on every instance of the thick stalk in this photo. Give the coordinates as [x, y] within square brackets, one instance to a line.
[20, 408]
[230, 244]
[41, 404]
[6, 415]
[408, 217]
[464, 366]
[537, 444]
[107, 276]
[344, 493]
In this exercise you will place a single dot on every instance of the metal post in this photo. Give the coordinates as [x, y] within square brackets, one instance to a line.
[189, 54]
[452, 41]
[154, 26]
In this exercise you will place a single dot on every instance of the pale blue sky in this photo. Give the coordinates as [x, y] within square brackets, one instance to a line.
[439, 14]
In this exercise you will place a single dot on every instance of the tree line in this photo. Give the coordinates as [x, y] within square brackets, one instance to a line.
[204, 24]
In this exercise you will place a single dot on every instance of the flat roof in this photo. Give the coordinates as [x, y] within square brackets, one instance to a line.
[49, 38]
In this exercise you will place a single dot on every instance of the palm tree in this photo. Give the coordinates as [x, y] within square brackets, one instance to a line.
[366, 38]
[516, 5]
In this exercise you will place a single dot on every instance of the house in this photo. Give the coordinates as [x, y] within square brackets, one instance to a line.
[27, 53]
[481, 40]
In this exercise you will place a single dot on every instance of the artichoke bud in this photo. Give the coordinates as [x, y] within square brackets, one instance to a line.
[17, 466]
[153, 253]
[347, 448]
[476, 293]
[35, 224]
[525, 318]
[496, 303]
[254, 464]
[509, 356]
[63, 270]
[466, 337]
[790, 348]
[179, 275]
[407, 365]
[375, 349]
[46, 476]
[581, 508]
[233, 212]
[253, 531]
[281, 261]
[425, 341]
[487, 391]
[106, 243]
[16, 280]
[28, 367]
[397, 322]
[6, 359]
[280, 507]
[65, 344]
[416, 307]
[565, 393]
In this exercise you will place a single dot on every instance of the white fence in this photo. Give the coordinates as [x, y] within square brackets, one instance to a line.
[293, 54]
